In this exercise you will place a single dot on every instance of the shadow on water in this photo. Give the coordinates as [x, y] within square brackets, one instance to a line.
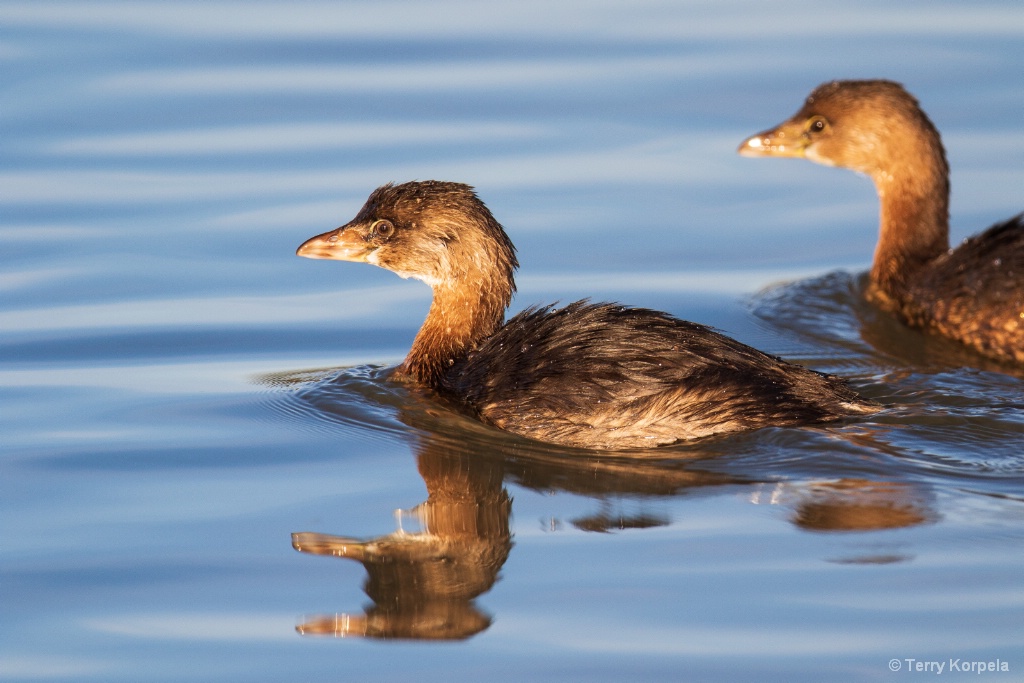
[423, 583]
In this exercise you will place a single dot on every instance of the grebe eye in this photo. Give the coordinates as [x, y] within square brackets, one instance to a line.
[383, 228]
[817, 124]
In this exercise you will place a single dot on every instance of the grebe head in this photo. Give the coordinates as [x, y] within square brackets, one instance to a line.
[437, 232]
[873, 127]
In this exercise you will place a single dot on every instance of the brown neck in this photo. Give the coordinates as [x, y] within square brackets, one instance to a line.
[461, 316]
[914, 225]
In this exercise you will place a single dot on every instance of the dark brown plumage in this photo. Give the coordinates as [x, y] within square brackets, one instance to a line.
[974, 293]
[589, 375]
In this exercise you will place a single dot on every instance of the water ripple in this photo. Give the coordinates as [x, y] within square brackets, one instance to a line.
[951, 416]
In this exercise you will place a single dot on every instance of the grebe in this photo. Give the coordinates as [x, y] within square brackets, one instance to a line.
[589, 375]
[974, 293]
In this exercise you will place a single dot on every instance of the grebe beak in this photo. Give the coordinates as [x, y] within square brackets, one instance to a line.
[346, 243]
[786, 140]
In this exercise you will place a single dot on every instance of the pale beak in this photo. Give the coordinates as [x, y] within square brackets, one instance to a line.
[346, 243]
[786, 140]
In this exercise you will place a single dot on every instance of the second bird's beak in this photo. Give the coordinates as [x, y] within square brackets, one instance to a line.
[785, 140]
[346, 243]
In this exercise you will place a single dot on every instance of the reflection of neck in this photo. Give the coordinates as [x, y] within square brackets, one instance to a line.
[466, 501]
[423, 585]
[463, 313]
[914, 225]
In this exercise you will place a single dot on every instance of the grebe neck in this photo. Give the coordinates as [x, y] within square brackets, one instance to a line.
[463, 313]
[914, 220]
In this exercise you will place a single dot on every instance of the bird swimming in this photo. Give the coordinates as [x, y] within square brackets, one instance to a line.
[974, 293]
[589, 375]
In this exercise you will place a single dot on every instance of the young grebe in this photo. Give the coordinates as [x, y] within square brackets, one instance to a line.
[974, 293]
[589, 375]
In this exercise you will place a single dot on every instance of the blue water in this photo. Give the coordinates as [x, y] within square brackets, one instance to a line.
[181, 394]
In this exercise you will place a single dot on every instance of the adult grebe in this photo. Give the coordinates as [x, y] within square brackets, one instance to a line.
[974, 293]
[589, 375]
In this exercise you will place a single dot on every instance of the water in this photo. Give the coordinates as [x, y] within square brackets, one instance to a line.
[181, 394]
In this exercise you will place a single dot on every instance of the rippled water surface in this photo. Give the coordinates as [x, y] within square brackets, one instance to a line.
[185, 404]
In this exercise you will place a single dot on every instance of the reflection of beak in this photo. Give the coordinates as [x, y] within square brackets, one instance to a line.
[324, 544]
[346, 243]
[786, 140]
[338, 625]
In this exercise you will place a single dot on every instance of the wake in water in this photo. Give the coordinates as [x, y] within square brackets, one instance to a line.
[952, 414]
